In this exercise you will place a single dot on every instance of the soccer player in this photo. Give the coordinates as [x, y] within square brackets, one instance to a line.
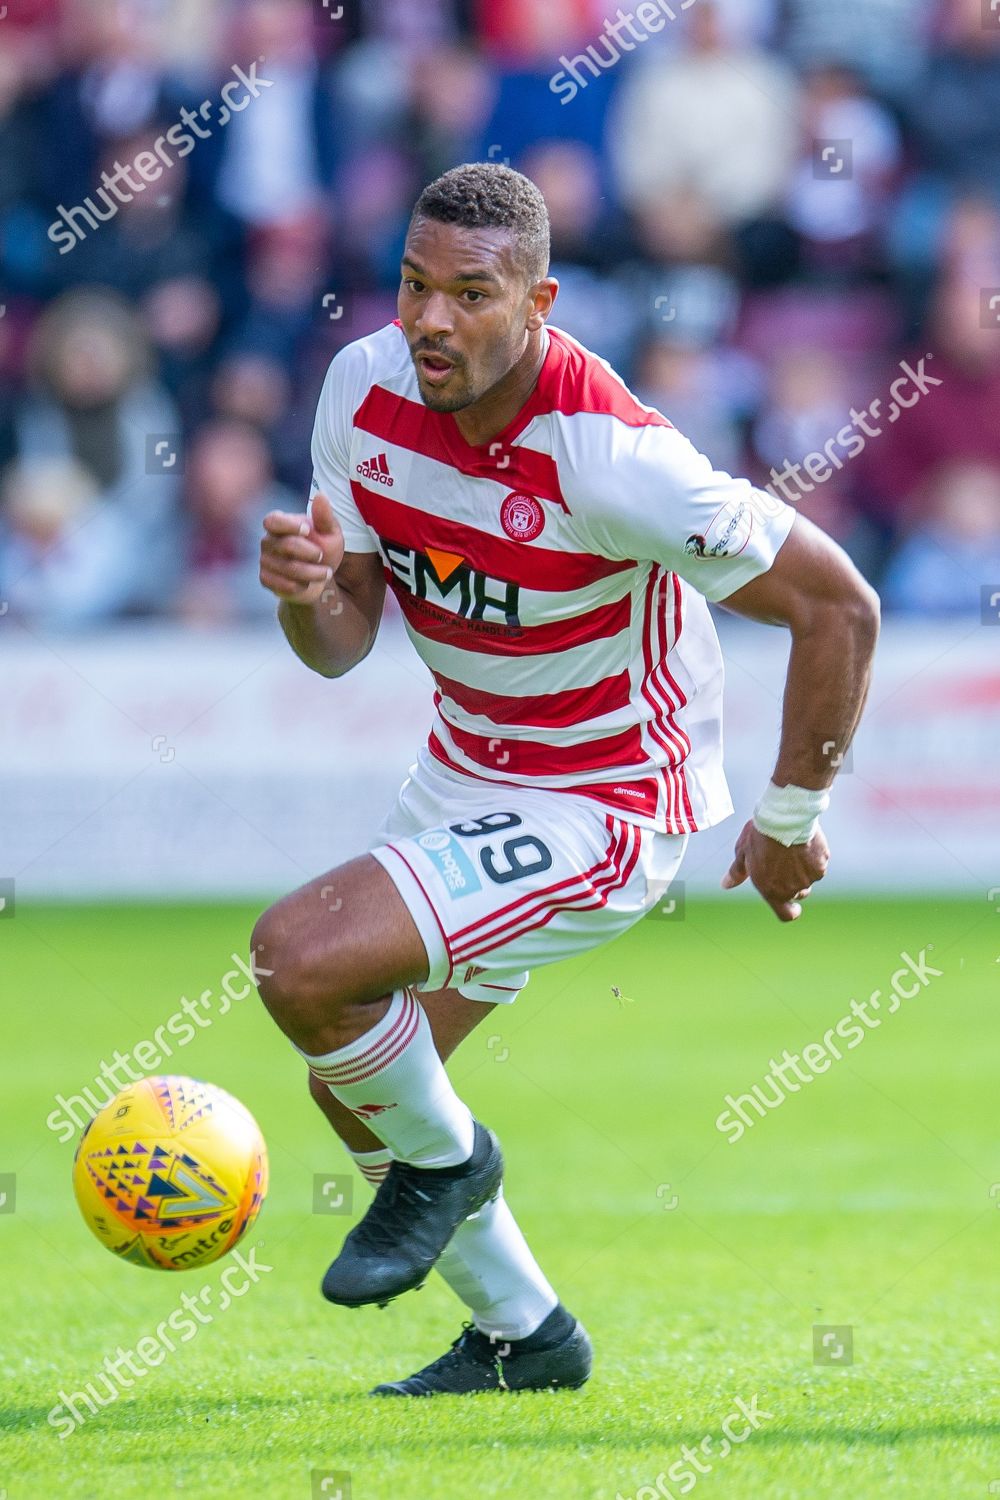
[551, 543]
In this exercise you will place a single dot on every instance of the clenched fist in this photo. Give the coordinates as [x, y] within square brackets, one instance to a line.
[783, 876]
[299, 554]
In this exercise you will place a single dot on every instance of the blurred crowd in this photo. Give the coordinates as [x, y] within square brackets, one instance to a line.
[764, 214]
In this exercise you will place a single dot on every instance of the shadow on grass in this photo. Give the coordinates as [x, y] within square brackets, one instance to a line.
[583, 1425]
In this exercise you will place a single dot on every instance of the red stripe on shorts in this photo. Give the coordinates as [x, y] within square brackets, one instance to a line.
[545, 890]
[573, 889]
[587, 899]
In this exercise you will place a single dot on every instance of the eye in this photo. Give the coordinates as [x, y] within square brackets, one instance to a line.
[473, 294]
[412, 284]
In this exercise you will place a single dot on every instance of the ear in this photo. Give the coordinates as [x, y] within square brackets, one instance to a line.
[540, 299]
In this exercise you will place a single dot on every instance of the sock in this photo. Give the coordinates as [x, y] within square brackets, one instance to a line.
[487, 1265]
[394, 1080]
[372, 1165]
[557, 1326]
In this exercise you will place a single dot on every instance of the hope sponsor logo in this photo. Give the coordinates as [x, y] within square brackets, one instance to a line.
[727, 534]
[451, 863]
[521, 517]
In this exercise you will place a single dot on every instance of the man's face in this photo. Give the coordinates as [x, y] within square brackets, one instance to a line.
[464, 303]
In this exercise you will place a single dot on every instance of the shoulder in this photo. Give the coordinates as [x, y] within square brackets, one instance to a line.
[575, 382]
[376, 359]
[608, 444]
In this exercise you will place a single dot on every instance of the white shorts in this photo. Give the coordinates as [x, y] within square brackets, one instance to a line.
[500, 878]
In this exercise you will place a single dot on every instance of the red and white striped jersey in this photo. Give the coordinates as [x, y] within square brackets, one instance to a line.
[553, 580]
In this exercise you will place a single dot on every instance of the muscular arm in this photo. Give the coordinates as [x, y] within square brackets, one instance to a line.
[331, 601]
[816, 592]
[332, 635]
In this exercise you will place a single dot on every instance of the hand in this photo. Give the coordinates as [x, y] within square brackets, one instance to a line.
[299, 554]
[784, 877]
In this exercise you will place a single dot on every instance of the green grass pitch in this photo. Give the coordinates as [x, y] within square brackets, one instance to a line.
[866, 1200]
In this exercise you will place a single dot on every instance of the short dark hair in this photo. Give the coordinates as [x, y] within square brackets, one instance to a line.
[488, 195]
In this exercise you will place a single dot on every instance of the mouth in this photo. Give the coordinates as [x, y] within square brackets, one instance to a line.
[435, 368]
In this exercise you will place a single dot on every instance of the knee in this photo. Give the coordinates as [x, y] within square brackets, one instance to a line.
[295, 984]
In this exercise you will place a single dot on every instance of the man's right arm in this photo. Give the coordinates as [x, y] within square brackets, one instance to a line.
[331, 602]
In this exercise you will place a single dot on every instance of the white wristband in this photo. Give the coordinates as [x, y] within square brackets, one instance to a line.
[790, 814]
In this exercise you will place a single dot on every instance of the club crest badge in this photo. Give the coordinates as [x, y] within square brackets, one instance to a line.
[521, 517]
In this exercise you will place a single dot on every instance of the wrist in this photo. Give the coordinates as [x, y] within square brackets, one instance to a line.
[790, 814]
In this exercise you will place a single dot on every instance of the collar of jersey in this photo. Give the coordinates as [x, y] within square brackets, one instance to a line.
[536, 403]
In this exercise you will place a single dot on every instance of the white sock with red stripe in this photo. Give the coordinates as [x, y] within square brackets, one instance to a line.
[394, 1080]
[487, 1264]
[372, 1165]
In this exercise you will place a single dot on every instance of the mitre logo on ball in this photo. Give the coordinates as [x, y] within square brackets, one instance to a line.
[521, 517]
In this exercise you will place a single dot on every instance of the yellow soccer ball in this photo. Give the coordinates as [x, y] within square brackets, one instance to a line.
[171, 1173]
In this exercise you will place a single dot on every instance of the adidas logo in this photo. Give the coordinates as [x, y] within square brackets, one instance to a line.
[377, 470]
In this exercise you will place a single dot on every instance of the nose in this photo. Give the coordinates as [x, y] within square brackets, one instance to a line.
[435, 320]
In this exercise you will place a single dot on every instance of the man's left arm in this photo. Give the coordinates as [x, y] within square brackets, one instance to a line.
[814, 590]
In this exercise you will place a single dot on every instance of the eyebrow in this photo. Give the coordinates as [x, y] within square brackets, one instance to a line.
[462, 275]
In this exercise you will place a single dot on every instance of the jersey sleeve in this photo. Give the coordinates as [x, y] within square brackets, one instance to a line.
[654, 497]
[339, 399]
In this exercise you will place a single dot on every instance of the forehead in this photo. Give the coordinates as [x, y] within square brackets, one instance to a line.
[445, 252]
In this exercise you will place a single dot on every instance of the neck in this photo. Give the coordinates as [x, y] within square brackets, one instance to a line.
[500, 405]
